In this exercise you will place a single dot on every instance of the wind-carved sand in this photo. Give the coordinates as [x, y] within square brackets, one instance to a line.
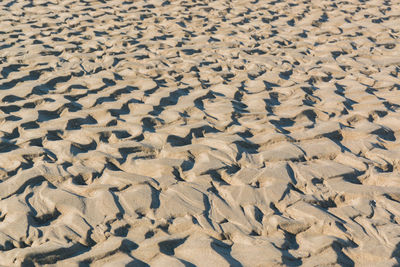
[207, 133]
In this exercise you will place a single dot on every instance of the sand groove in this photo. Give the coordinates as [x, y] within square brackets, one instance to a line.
[207, 133]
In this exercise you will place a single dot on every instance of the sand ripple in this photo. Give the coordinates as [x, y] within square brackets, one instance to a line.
[207, 133]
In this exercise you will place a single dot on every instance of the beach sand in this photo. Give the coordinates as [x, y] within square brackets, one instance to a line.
[199, 133]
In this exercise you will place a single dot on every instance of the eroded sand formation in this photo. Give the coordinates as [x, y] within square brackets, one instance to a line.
[207, 133]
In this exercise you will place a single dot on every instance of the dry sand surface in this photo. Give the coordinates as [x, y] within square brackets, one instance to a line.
[199, 133]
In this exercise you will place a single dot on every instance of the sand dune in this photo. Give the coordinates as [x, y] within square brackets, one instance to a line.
[199, 133]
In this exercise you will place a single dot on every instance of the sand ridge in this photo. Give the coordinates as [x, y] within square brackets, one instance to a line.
[206, 133]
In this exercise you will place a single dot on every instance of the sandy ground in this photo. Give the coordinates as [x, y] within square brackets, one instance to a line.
[199, 133]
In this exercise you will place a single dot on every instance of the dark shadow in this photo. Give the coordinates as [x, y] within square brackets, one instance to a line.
[149, 234]
[54, 135]
[245, 146]
[30, 125]
[286, 74]
[76, 148]
[178, 141]
[190, 52]
[396, 253]
[291, 243]
[168, 246]
[215, 176]
[44, 219]
[385, 133]
[12, 118]
[225, 251]
[148, 124]
[343, 259]
[124, 110]
[186, 263]
[12, 98]
[8, 136]
[11, 68]
[45, 115]
[9, 109]
[50, 85]
[271, 102]
[75, 124]
[155, 198]
[282, 122]
[170, 100]
[137, 263]
[198, 102]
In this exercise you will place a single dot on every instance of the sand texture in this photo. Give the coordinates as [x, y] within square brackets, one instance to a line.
[199, 133]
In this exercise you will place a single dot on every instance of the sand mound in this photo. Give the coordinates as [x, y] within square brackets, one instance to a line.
[207, 133]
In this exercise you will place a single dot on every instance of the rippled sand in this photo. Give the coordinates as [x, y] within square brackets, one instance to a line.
[207, 133]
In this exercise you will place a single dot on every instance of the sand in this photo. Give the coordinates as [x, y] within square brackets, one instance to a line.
[199, 133]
